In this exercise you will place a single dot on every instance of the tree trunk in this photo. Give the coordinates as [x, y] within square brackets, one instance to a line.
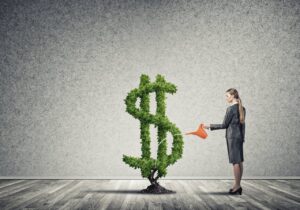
[155, 188]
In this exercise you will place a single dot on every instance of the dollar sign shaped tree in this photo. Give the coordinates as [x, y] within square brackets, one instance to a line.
[146, 163]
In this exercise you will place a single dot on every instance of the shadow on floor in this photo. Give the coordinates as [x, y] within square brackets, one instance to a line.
[138, 192]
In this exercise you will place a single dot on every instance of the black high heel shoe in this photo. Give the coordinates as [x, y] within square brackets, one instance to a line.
[239, 190]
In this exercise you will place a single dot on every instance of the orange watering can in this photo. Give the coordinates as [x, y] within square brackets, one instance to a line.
[200, 132]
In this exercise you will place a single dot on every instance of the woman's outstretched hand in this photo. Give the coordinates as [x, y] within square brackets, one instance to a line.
[206, 126]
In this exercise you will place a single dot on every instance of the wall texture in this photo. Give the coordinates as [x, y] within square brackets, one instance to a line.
[67, 66]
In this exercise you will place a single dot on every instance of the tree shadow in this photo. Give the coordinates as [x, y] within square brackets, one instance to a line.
[139, 192]
[115, 191]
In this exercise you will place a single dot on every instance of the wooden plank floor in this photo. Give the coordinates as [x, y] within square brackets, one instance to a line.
[124, 194]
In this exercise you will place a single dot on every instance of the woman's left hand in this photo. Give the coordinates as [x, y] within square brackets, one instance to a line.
[205, 126]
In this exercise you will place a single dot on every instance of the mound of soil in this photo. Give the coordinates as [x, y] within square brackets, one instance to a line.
[156, 189]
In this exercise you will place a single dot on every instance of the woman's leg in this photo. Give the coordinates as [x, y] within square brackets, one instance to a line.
[242, 168]
[237, 175]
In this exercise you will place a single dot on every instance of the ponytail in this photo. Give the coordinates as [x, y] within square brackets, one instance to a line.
[241, 111]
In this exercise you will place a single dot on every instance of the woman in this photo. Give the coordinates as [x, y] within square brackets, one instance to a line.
[234, 123]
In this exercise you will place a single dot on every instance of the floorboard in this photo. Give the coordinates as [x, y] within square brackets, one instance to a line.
[125, 194]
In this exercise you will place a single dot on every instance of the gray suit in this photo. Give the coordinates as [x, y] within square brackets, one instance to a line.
[235, 133]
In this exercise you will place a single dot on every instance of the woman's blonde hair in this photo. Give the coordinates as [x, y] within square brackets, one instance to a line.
[234, 92]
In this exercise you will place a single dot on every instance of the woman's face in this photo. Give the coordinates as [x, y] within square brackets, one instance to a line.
[229, 98]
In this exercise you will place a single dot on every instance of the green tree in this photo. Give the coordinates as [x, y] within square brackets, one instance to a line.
[146, 163]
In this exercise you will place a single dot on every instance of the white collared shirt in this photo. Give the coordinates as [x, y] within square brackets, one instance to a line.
[233, 103]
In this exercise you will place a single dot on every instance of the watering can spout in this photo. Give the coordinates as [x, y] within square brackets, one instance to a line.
[200, 132]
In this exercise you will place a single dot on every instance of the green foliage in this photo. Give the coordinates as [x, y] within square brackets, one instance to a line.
[160, 120]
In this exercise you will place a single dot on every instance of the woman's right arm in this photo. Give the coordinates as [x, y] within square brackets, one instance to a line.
[226, 121]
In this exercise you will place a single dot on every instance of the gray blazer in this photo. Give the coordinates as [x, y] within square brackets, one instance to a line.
[231, 122]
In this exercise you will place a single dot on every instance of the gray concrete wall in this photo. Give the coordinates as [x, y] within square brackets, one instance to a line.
[67, 66]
